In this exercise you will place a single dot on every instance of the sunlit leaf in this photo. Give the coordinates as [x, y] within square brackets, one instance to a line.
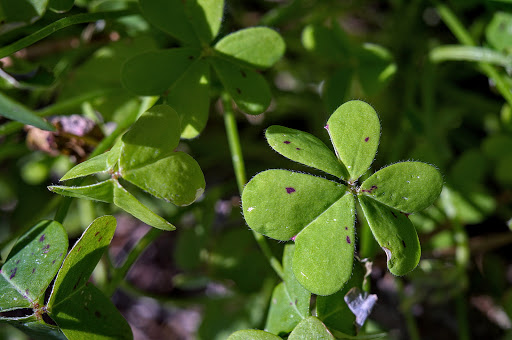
[499, 31]
[89, 167]
[311, 328]
[102, 191]
[253, 334]
[206, 17]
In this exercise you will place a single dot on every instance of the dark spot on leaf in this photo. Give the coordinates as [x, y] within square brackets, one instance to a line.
[100, 238]
[392, 213]
[191, 57]
[290, 190]
[96, 234]
[243, 74]
[46, 249]
[348, 239]
[403, 243]
[367, 139]
[79, 248]
[291, 304]
[13, 273]
[33, 270]
[53, 262]
[346, 228]
[17, 261]
[374, 187]
[77, 282]
[60, 254]
[238, 90]
[26, 292]
[41, 239]
[297, 148]
[97, 314]
[405, 214]
[286, 142]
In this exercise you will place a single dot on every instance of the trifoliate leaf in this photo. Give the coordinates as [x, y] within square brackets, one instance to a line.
[102, 191]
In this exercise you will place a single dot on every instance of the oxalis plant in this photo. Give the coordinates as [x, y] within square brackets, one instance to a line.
[318, 214]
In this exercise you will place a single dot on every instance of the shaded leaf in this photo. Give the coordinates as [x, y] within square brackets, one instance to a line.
[82, 259]
[405, 186]
[170, 16]
[394, 233]
[176, 178]
[290, 301]
[311, 328]
[337, 87]
[354, 129]
[291, 202]
[15, 111]
[304, 148]
[324, 251]
[248, 88]
[102, 191]
[153, 136]
[31, 265]
[499, 31]
[253, 334]
[126, 201]
[323, 42]
[89, 167]
[260, 47]
[376, 67]
[61, 5]
[468, 207]
[153, 72]
[190, 97]
[37, 328]
[206, 17]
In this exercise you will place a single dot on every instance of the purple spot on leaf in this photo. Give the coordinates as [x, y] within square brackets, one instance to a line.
[290, 190]
[17, 261]
[346, 228]
[60, 254]
[326, 127]
[41, 239]
[297, 148]
[96, 234]
[100, 238]
[53, 262]
[13, 273]
[286, 142]
[293, 238]
[46, 249]
[79, 248]
[348, 239]
[374, 187]
[243, 73]
[367, 139]
[26, 291]
[238, 90]
[403, 243]
[33, 270]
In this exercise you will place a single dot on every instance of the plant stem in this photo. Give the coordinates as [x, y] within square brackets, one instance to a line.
[241, 178]
[120, 273]
[58, 25]
[465, 38]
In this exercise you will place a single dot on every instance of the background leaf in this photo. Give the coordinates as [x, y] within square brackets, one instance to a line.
[354, 129]
[304, 148]
[150, 73]
[394, 233]
[15, 111]
[31, 265]
[324, 251]
[376, 67]
[290, 301]
[405, 186]
[248, 88]
[61, 5]
[260, 47]
[280, 203]
[498, 32]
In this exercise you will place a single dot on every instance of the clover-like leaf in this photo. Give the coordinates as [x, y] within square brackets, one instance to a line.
[259, 47]
[153, 72]
[79, 308]
[88, 167]
[253, 334]
[304, 148]
[311, 328]
[206, 17]
[126, 201]
[170, 16]
[395, 234]
[102, 191]
[176, 178]
[324, 252]
[405, 186]
[114, 154]
[36, 328]
[280, 203]
[248, 88]
[31, 265]
[154, 136]
[190, 97]
[290, 301]
[354, 129]
[498, 32]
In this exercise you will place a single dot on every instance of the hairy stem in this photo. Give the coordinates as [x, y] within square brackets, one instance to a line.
[241, 177]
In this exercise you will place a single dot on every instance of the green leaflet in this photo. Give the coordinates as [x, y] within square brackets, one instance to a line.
[171, 17]
[102, 191]
[304, 148]
[37, 329]
[150, 73]
[498, 32]
[124, 200]
[15, 111]
[206, 18]
[395, 234]
[253, 334]
[61, 5]
[376, 67]
[324, 251]
[260, 47]
[405, 186]
[31, 265]
[89, 167]
[311, 328]
[290, 301]
[280, 203]
[248, 88]
[354, 129]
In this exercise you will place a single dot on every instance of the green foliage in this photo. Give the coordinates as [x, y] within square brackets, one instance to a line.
[318, 214]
